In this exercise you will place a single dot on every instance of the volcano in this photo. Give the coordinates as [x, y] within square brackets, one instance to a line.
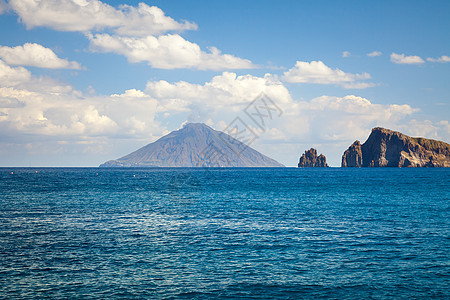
[195, 145]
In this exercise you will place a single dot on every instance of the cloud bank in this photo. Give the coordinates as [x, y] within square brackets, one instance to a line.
[35, 55]
[89, 15]
[319, 73]
[169, 51]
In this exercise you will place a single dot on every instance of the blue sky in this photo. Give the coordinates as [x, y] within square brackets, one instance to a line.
[82, 82]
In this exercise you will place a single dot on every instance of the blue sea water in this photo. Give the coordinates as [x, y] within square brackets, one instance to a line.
[224, 233]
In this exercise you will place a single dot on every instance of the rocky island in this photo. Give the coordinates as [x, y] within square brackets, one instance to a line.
[309, 159]
[195, 145]
[388, 148]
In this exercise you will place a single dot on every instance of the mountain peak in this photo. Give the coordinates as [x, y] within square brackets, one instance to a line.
[195, 145]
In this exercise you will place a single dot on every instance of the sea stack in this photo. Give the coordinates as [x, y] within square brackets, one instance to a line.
[309, 159]
[388, 148]
[352, 156]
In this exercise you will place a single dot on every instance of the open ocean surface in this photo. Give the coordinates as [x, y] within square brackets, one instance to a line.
[257, 233]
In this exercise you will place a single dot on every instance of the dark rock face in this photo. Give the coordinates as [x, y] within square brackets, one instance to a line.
[195, 145]
[352, 156]
[310, 159]
[388, 148]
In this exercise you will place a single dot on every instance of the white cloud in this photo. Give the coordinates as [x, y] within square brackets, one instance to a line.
[45, 107]
[356, 105]
[35, 55]
[374, 54]
[318, 72]
[70, 117]
[42, 118]
[10, 76]
[402, 59]
[224, 95]
[442, 59]
[21, 78]
[346, 54]
[334, 123]
[88, 15]
[426, 128]
[167, 52]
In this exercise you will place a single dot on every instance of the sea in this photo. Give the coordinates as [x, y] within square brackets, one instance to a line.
[237, 233]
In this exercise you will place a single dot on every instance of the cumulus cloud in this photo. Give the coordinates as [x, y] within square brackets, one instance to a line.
[427, 128]
[40, 116]
[45, 107]
[225, 94]
[402, 59]
[318, 72]
[356, 105]
[88, 15]
[73, 118]
[35, 55]
[169, 51]
[346, 118]
[10, 76]
[346, 54]
[442, 59]
[374, 54]
[21, 78]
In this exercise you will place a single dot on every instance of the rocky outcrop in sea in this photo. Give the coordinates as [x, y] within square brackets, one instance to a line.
[352, 156]
[388, 148]
[309, 159]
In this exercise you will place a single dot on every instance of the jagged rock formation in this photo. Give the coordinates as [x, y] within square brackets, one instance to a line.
[352, 156]
[310, 159]
[195, 145]
[388, 148]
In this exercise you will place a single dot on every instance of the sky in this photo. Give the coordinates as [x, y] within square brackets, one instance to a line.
[86, 81]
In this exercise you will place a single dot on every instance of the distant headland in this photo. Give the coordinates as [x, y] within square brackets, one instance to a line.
[388, 148]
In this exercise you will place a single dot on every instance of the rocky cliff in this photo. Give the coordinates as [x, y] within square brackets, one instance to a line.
[388, 148]
[195, 145]
[352, 156]
[310, 159]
